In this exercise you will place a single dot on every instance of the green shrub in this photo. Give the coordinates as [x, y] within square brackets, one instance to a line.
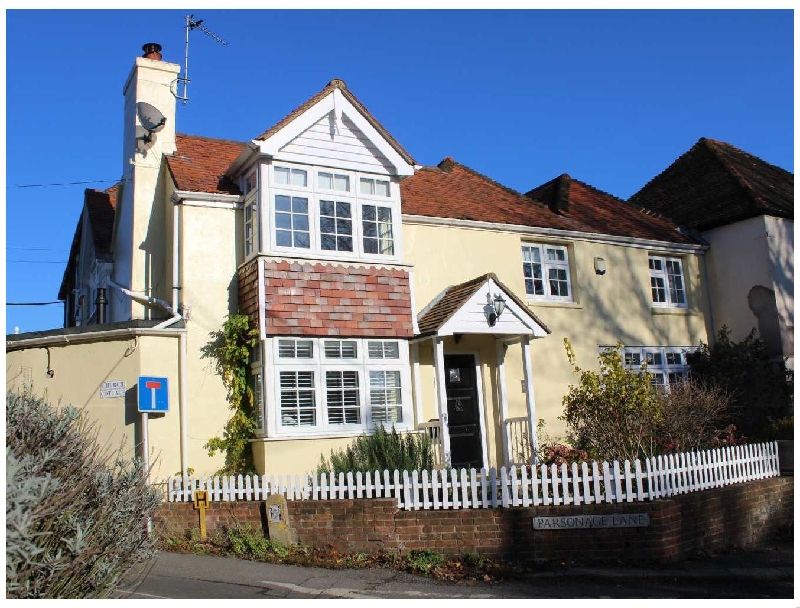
[424, 560]
[248, 542]
[758, 386]
[76, 514]
[381, 450]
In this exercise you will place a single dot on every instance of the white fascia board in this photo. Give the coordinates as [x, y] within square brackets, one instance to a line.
[334, 102]
[401, 166]
[245, 157]
[469, 318]
[296, 127]
[207, 199]
[572, 235]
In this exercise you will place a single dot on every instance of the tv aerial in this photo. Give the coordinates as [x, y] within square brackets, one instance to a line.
[151, 122]
[191, 24]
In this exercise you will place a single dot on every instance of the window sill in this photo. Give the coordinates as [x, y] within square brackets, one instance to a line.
[673, 310]
[554, 304]
[322, 435]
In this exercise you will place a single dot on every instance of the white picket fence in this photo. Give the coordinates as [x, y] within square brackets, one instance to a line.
[584, 483]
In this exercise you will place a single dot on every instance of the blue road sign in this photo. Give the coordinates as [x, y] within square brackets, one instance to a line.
[153, 394]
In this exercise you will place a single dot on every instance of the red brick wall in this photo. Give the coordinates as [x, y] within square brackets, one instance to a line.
[326, 300]
[739, 515]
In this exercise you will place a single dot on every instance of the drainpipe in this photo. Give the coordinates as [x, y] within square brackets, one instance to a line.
[182, 355]
[177, 219]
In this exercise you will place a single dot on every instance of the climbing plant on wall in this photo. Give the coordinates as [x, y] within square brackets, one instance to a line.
[231, 348]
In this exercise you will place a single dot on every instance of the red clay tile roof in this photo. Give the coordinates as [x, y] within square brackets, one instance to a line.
[455, 296]
[604, 213]
[199, 164]
[714, 184]
[455, 191]
[338, 84]
[101, 206]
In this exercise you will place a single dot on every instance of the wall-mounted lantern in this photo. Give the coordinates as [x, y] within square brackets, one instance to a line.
[498, 306]
[600, 266]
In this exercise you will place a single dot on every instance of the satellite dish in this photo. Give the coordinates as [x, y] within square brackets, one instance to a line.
[152, 121]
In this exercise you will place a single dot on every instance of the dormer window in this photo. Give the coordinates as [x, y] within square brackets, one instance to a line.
[319, 212]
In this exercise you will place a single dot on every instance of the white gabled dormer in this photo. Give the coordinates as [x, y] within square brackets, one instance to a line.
[324, 183]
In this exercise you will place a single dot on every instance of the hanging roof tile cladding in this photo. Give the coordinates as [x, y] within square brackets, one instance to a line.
[714, 184]
[338, 84]
[455, 296]
[452, 190]
[199, 164]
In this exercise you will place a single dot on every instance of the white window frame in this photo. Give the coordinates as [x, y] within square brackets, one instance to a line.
[546, 264]
[252, 244]
[257, 384]
[655, 360]
[314, 194]
[665, 277]
[362, 364]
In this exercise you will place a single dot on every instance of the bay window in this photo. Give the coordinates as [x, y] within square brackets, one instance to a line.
[331, 385]
[666, 365]
[332, 213]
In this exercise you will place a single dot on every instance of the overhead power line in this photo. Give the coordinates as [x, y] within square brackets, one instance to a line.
[34, 262]
[91, 181]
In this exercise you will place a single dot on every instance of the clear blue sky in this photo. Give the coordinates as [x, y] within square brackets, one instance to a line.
[610, 97]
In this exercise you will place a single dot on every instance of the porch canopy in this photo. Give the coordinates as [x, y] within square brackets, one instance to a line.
[469, 308]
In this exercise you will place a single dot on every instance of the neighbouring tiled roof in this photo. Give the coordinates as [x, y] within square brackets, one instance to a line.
[452, 190]
[714, 184]
[338, 84]
[455, 296]
[199, 164]
[604, 213]
[100, 206]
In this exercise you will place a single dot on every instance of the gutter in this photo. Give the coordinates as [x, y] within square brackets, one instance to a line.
[576, 235]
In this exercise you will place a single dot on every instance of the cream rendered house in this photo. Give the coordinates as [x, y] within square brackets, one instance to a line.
[431, 299]
[743, 207]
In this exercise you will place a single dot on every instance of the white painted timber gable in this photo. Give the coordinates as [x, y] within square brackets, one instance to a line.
[472, 317]
[334, 133]
[337, 143]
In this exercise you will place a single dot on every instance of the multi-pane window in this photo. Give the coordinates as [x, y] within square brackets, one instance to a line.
[384, 396]
[291, 221]
[666, 281]
[250, 190]
[297, 398]
[333, 181]
[328, 385]
[377, 226]
[546, 272]
[666, 365]
[343, 402]
[291, 177]
[374, 187]
[335, 226]
[330, 212]
[257, 384]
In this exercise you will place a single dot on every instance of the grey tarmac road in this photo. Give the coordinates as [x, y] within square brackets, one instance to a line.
[172, 575]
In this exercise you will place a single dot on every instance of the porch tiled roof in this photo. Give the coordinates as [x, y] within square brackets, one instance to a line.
[199, 164]
[714, 184]
[455, 296]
